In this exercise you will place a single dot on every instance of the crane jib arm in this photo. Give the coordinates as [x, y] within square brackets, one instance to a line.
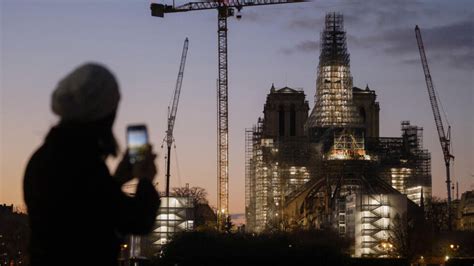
[433, 100]
[158, 10]
[177, 91]
[443, 137]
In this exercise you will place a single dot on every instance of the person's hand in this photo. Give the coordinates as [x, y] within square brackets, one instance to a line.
[124, 171]
[146, 168]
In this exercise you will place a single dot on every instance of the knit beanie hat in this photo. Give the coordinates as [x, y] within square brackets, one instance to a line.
[87, 94]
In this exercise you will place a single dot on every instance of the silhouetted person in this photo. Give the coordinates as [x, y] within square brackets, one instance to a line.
[76, 208]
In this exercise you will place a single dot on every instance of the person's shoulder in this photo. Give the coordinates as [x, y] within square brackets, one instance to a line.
[37, 158]
[33, 174]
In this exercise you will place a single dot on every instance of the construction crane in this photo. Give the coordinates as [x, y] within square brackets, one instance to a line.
[225, 9]
[172, 114]
[444, 137]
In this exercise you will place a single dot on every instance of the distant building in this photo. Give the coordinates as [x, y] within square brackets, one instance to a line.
[331, 170]
[285, 114]
[368, 109]
[375, 221]
[334, 106]
[14, 235]
[465, 212]
[403, 162]
[176, 214]
[277, 156]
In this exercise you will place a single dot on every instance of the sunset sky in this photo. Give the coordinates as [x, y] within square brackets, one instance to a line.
[41, 41]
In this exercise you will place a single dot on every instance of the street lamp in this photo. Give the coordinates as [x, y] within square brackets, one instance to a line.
[387, 247]
[451, 251]
[454, 247]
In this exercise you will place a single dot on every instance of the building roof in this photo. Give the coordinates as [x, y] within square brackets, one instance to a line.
[284, 90]
[359, 90]
[287, 90]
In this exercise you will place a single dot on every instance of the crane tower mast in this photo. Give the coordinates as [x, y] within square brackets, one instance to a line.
[225, 9]
[444, 138]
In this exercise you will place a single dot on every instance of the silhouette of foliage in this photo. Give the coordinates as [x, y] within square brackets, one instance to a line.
[228, 225]
[296, 248]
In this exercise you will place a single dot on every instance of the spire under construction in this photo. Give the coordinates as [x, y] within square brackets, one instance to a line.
[333, 101]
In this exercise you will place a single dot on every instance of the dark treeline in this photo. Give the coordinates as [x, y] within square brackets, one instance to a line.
[312, 247]
[297, 248]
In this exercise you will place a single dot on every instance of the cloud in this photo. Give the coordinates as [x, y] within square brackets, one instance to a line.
[306, 23]
[452, 43]
[458, 35]
[386, 27]
[253, 16]
[302, 47]
[315, 24]
[356, 41]
[374, 13]
[462, 61]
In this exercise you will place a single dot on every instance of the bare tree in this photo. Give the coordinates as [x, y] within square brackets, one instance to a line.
[410, 236]
[437, 214]
[399, 236]
[198, 194]
[204, 214]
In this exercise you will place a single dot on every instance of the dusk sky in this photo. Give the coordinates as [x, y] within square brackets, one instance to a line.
[42, 41]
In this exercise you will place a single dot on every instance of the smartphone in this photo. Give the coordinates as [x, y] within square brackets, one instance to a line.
[137, 142]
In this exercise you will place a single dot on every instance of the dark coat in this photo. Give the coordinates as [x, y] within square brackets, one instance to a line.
[77, 210]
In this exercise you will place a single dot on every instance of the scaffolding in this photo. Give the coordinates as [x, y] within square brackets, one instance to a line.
[424, 173]
[348, 145]
[404, 164]
[375, 225]
[400, 177]
[413, 136]
[274, 169]
[176, 214]
[249, 179]
[420, 161]
[421, 181]
[333, 104]
[259, 178]
[298, 176]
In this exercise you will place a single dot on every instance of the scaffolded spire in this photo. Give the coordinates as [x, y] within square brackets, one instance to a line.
[333, 101]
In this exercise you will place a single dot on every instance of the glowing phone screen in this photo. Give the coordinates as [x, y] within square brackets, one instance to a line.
[137, 139]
